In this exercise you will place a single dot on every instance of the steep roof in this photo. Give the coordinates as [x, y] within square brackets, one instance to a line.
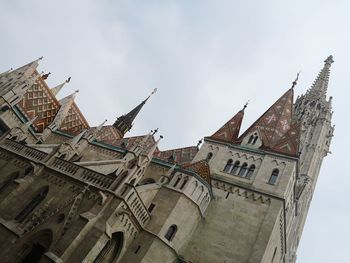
[275, 122]
[230, 130]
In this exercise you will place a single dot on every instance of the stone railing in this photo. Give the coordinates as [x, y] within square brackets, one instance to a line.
[81, 173]
[135, 204]
[23, 150]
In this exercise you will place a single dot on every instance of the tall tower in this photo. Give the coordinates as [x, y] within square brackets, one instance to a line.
[314, 111]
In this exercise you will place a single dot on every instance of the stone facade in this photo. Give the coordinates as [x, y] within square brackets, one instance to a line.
[72, 193]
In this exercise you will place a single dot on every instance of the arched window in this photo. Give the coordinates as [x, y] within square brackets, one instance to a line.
[243, 170]
[255, 139]
[209, 156]
[111, 250]
[171, 232]
[273, 177]
[251, 138]
[235, 167]
[228, 166]
[177, 181]
[184, 183]
[32, 204]
[250, 171]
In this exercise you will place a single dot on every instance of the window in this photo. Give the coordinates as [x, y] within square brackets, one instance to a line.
[228, 166]
[251, 138]
[177, 181]
[235, 167]
[151, 207]
[273, 177]
[209, 156]
[171, 232]
[243, 170]
[250, 171]
[184, 183]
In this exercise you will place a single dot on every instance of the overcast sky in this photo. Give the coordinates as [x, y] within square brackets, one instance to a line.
[207, 58]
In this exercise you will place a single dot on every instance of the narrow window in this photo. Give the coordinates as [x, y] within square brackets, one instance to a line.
[151, 207]
[171, 232]
[255, 139]
[251, 138]
[184, 183]
[177, 181]
[243, 170]
[32, 204]
[228, 166]
[235, 167]
[250, 171]
[137, 249]
[273, 177]
[209, 156]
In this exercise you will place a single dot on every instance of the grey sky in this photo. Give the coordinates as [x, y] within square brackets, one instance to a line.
[207, 58]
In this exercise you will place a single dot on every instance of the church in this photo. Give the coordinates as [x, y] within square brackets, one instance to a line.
[73, 193]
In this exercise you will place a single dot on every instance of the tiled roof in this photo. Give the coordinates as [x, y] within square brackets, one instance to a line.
[201, 168]
[179, 156]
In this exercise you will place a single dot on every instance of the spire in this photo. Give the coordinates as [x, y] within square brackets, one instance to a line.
[57, 89]
[319, 87]
[275, 122]
[154, 148]
[230, 131]
[124, 123]
[74, 141]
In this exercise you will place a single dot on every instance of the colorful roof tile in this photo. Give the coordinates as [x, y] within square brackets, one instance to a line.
[180, 156]
[230, 131]
[201, 168]
[39, 101]
[275, 122]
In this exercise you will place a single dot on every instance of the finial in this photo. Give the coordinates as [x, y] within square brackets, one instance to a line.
[154, 132]
[199, 143]
[153, 91]
[67, 80]
[329, 60]
[40, 58]
[161, 137]
[246, 105]
[294, 83]
[45, 76]
[99, 127]
[76, 91]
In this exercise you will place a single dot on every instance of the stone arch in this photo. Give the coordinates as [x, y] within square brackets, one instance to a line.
[35, 246]
[112, 249]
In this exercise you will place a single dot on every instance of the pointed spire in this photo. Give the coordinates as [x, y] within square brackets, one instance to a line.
[319, 87]
[275, 122]
[124, 123]
[230, 131]
[58, 88]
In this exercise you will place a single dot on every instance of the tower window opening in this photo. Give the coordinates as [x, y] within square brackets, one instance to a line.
[243, 170]
[273, 177]
[235, 167]
[184, 183]
[171, 232]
